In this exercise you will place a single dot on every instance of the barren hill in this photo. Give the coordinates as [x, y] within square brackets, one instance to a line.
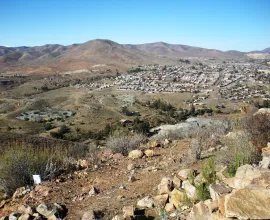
[58, 58]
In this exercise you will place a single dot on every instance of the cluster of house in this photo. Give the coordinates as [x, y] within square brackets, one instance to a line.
[234, 81]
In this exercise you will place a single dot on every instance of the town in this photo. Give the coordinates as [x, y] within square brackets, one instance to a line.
[232, 80]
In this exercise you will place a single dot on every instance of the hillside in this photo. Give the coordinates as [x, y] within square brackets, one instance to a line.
[58, 58]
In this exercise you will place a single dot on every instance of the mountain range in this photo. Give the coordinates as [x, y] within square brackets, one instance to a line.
[57, 57]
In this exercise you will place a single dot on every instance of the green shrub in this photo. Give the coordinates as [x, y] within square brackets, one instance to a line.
[191, 177]
[240, 160]
[209, 175]
[202, 191]
[48, 126]
[208, 171]
[240, 151]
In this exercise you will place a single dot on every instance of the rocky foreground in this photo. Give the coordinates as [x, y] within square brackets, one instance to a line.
[149, 183]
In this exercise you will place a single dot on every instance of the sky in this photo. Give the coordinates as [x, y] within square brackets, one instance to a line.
[242, 25]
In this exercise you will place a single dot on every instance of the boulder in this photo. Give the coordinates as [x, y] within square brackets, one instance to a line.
[183, 174]
[243, 177]
[149, 153]
[265, 163]
[169, 207]
[24, 217]
[146, 202]
[41, 191]
[212, 205]
[263, 181]
[49, 211]
[46, 211]
[13, 216]
[25, 209]
[166, 142]
[131, 166]
[161, 200]
[135, 154]
[248, 204]
[93, 191]
[190, 190]
[165, 186]
[118, 217]
[19, 193]
[199, 179]
[89, 215]
[199, 211]
[177, 197]
[176, 182]
[154, 144]
[128, 211]
[218, 216]
[218, 189]
[266, 151]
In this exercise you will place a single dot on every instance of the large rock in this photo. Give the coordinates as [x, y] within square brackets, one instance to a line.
[199, 179]
[13, 216]
[165, 186]
[169, 207]
[89, 215]
[176, 182]
[135, 154]
[149, 153]
[248, 204]
[266, 151]
[199, 211]
[154, 144]
[161, 200]
[219, 189]
[190, 190]
[265, 163]
[25, 209]
[183, 174]
[47, 212]
[178, 197]
[146, 202]
[212, 205]
[24, 217]
[243, 177]
[131, 166]
[128, 211]
[118, 217]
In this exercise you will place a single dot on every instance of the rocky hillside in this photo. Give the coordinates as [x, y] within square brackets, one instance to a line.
[207, 169]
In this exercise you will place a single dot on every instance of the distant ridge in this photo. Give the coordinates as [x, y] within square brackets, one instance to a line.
[101, 51]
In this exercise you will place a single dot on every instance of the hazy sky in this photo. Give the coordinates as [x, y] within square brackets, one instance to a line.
[229, 24]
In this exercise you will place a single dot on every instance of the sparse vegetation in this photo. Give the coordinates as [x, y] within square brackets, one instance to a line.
[258, 127]
[122, 143]
[209, 175]
[202, 191]
[162, 214]
[19, 161]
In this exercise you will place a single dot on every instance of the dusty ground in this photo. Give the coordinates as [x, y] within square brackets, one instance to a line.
[107, 178]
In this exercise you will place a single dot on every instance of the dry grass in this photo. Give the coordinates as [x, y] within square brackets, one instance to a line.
[123, 143]
[19, 161]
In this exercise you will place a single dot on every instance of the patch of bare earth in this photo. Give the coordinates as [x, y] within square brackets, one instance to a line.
[110, 179]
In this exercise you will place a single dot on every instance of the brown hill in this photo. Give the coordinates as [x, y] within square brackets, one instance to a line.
[108, 53]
